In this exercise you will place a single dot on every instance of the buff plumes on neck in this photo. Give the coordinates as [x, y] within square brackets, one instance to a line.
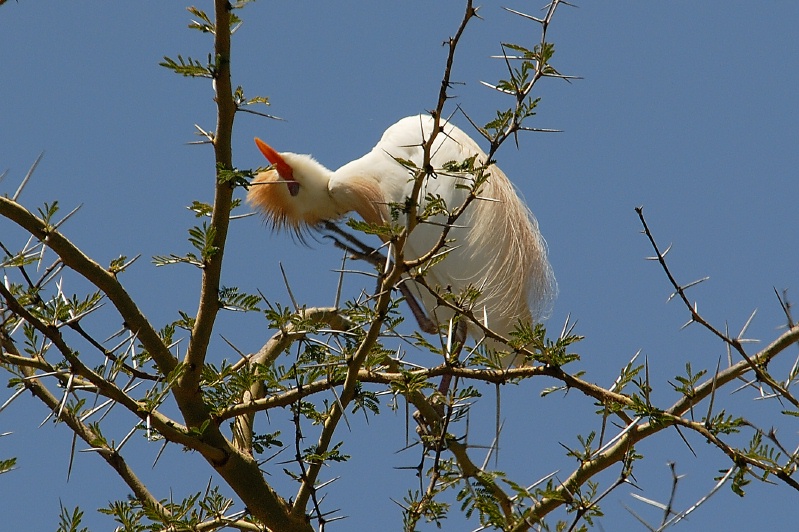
[293, 192]
[297, 192]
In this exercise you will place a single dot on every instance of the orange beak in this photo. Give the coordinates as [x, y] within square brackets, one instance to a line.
[275, 158]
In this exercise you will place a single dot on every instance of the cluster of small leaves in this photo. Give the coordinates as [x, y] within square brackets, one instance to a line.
[188, 514]
[520, 77]
[32, 341]
[628, 373]
[278, 316]
[159, 392]
[202, 238]
[642, 406]
[204, 210]
[47, 213]
[235, 177]
[128, 514]
[544, 350]
[464, 167]
[687, 384]
[475, 496]
[240, 100]
[411, 383]
[7, 465]
[417, 506]
[491, 359]
[59, 309]
[192, 68]
[530, 66]
[584, 503]
[504, 119]
[185, 322]
[641, 399]
[224, 386]
[204, 24]
[312, 454]
[262, 442]
[366, 401]
[70, 521]
[309, 411]
[56, 310]
[433, 205]
[384, 231]
[722, 423]
[548, 491]
[479, 174]
[408, 165]
[231, 299]
[586, 452]
[26, 296]
[120, 264]
[242, 103]
[19, 259]
[99, 439]
[762, 451]
[464, 299]
[362, 314]
[739, 480]
[201, 209]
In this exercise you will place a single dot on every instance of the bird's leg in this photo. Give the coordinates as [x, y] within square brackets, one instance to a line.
[458, 335]
[359, 250]
[363, 249]
[425, 323]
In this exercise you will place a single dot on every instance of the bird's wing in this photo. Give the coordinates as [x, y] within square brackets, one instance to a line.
[494, 246]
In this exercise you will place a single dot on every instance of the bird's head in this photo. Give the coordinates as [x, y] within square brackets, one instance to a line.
[293, 192]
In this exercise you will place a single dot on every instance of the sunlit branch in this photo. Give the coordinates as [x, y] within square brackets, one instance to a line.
[89, 436]
[220, 215]
[98, 276]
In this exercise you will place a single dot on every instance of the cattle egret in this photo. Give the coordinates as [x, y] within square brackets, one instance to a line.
[495, 246]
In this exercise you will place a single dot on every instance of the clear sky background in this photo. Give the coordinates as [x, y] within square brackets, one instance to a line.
[686, 108]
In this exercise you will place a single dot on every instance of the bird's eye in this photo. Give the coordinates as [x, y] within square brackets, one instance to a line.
[294, 188]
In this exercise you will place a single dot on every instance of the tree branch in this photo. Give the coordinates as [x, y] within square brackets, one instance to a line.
[94, 440]
[98, 276]
[220, 215]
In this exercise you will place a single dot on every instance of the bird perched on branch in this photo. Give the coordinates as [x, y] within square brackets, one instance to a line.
[495, 245]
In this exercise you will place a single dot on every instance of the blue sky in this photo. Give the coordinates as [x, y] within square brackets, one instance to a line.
[686, 108]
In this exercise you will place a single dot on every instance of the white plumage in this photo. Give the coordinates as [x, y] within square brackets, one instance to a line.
[496, 245]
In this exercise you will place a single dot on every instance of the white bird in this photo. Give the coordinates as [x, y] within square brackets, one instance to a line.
[495, 246]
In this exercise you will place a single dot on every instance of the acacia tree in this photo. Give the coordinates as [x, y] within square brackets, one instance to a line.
[322, 362]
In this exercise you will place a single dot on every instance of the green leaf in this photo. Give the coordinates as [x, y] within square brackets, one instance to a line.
[185, 321]
[261, 442]
[231, 299]
[201, 209]
[312, 454]
[239, 4]
[202, 238]
[188, 258]
[190, 67]
[205, 24]
[241, 100]
[236, 177]
[117, 265]
[7, 465]
[47, 212]
[407, 163]
[383, 230]
[70, 522]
